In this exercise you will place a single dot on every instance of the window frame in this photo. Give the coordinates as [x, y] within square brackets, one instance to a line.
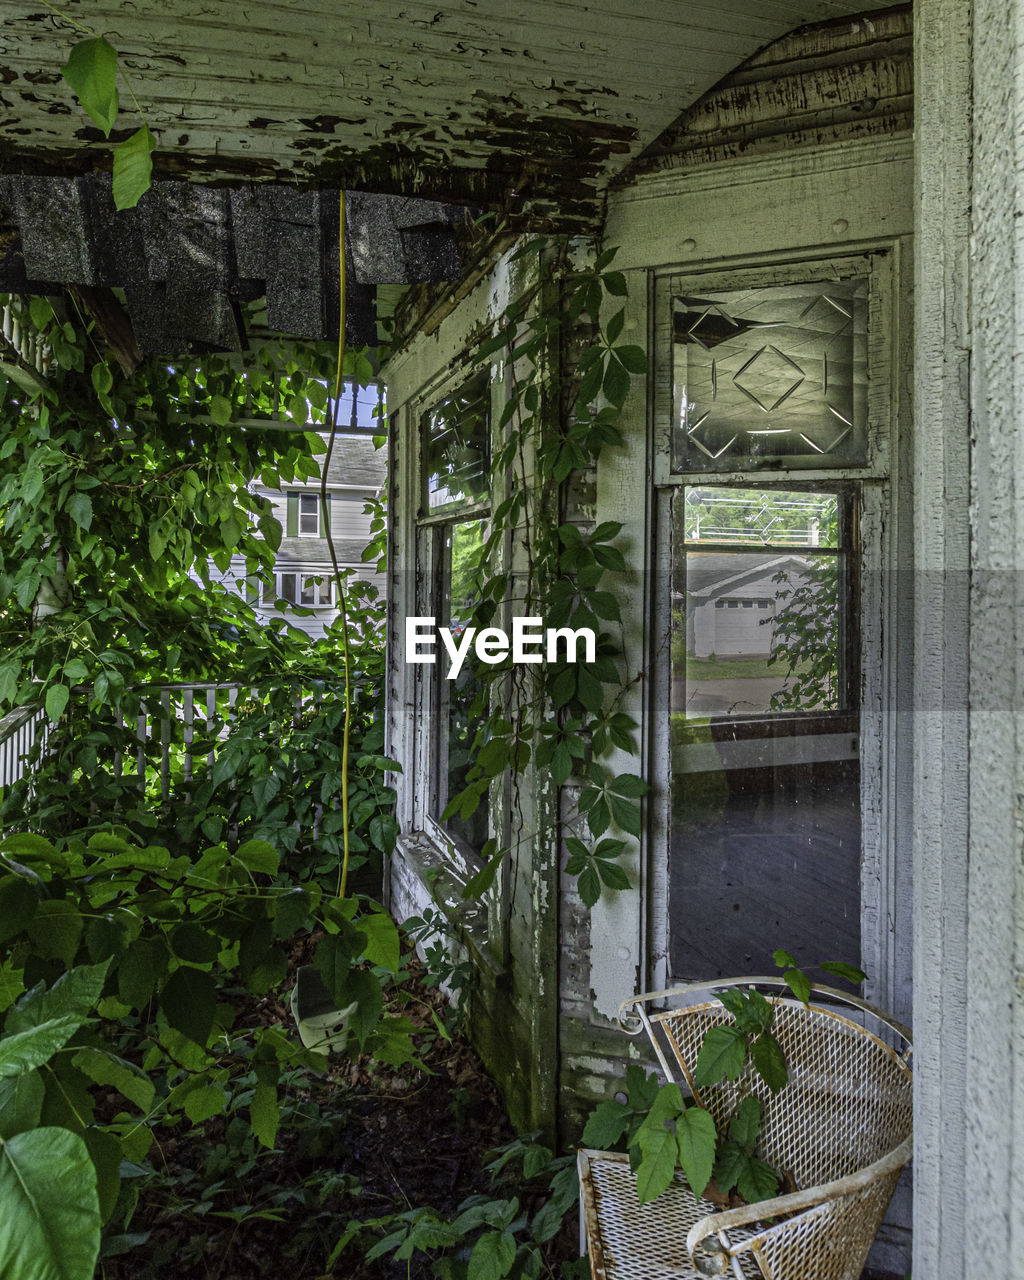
[274, 582]
[304, 499]
[429, 526]
[875, 483]
[874, 265]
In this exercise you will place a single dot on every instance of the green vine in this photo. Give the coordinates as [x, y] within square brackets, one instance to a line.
[566, 717]
[91, 73]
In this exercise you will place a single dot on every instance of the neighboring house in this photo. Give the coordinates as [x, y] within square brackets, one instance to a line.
[301, 586]
[730, 613]
[303, 577]
[856, 185]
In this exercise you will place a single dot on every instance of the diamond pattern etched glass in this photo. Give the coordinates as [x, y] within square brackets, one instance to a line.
[774, 375]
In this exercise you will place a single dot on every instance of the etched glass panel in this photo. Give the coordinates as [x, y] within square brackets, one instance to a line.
[773, 374]
[457, 444]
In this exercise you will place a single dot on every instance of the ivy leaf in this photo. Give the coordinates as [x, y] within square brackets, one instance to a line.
[589, 884]
[51, 1220]
[770, 1061]
[590, 383]
[80, 509]
[746, 1122]
[192, 943]
[56, 930]
[220, 410]
[757, 1180]
[18, 904]
[381, 940]
[632, 358]
[72, 995]
[291, 911]
[799, 984]
[606, 1124]
[696, 1137]
[106, 1069]
[56, 700]
[565, 1195]
[189, 1001]
[91, 75]
[204, 1103]
[27, 1050]
[641, 1088]
[658, 1164]
[265, 1114]
[721, 1055]
[133, 168]
[729, 1165]
[492, 1256]
[21, 1103]
[258, 856]
[848, 971]
[612, 874]
[616, 383]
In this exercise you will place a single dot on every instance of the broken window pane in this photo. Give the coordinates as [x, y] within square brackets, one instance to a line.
[457, 444]
[776, 373]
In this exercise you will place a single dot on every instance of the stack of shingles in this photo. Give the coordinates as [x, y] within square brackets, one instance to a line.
[189, 255]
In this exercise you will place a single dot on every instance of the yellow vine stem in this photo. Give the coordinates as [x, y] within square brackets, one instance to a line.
[325, 516]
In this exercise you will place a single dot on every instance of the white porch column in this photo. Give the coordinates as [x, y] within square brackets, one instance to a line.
[969, 685]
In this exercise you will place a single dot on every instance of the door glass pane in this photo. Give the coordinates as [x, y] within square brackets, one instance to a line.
[765, 820]
[770, 374]
[763, 579]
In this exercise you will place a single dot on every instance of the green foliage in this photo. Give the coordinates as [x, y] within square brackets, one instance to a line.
[663, 1130]
[122, 499]
[132, 1001]
[133, 169]
[491, 1237]
[50, 1226]
[91, 74]
[169, 892]
[560, 716]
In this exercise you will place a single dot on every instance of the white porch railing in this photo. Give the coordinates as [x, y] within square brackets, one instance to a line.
[20, 729]
[178, 717]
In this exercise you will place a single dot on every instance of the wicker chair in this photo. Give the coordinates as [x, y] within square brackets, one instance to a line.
[841, 1126]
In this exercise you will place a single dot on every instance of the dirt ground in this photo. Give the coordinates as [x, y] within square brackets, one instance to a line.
[368, 1140]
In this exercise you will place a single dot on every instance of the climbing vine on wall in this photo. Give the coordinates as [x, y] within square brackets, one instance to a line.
[564, 716]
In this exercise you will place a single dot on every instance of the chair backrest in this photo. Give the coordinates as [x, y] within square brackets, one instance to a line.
[848, 1099]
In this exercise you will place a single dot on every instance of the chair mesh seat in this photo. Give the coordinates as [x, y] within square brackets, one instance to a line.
[840, 1126]
[641, 1242]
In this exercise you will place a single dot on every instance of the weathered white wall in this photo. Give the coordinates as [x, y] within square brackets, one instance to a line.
[995, 884]
[969, 872]
[940, 682]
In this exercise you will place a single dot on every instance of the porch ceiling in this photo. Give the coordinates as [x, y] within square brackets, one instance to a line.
[536, 104]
